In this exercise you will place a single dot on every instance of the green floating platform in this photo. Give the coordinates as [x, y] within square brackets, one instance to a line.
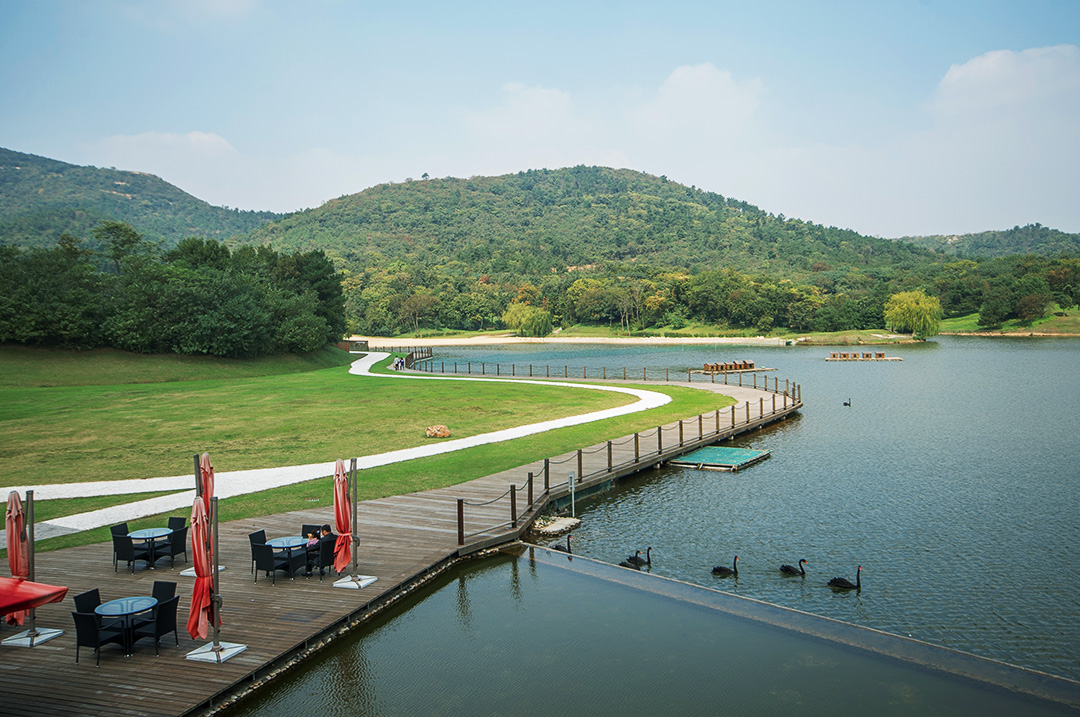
[721, 458]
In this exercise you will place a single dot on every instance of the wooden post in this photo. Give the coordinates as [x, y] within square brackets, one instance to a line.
[680, 432]
[442, 367]
[667, 374]
[513, 369]
[609, 456]
[584, 371]
[497, 369]
[774, 403]
[470, 368]
[455, 368]
[548, 369]
[644, 373]
[659, 440]
[787, 387]
[460, 521]
[689, 376]
[740, 378]
[748, 412]
[733, 415]
[761, 406]
[755, 380]
[637, 448]
[712, 376]
[604, 373]
[513, 506]
[718, 421]
[547, 475]
[700, 426]
[785, 401]
[530, 489]
[483, 368]
[579, 471]
[624, 373]
[530, 370]
[565, 371]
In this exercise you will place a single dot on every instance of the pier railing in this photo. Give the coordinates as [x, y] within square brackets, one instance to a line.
[593, 467]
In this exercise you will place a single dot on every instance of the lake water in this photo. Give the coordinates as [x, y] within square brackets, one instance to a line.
[952, 479]
[549, 634]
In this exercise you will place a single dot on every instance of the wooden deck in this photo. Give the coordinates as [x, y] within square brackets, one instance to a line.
[404, 540]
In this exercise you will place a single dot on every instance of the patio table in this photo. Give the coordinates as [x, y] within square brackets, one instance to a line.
[125, 609]
[148, 536]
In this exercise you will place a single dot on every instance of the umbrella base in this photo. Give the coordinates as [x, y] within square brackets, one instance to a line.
[190, 572]
[207, 653]
[26, 639]
[355, 582]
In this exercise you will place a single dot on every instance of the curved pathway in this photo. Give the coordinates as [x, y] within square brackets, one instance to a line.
[232, 483]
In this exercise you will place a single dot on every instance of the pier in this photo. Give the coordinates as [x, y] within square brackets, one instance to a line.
[405, 540]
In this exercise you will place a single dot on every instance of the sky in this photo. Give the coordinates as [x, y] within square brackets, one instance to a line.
[908, 117]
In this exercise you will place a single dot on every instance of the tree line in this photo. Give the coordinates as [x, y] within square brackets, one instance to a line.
[200, 297]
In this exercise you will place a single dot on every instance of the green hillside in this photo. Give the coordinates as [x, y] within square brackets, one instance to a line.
[1030, 239]
[41, 198]
[540, 221]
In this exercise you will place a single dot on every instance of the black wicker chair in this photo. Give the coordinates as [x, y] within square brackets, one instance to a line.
[163, 622]
[177, 522]
[177, 545]
[89, 634]
[325, 557]
[256, 538]
[124, 548]
[266, 561]
[163, 590]
[308, 529]
[118, 529]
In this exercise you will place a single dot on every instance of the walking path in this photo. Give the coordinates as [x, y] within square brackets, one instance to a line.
[233, 483]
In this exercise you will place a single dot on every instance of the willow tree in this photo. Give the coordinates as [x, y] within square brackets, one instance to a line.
[915, 312]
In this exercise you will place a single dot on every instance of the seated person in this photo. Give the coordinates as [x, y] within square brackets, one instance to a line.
[313, 548]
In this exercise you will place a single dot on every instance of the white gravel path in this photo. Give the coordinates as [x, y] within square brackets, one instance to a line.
[232, 483]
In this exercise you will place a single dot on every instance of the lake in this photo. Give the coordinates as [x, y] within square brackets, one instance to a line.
[952, 478]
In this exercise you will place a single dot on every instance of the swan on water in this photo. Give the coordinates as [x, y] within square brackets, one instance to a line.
[792, 570]
[565, 548]
[724, 571]
[639, 561]
[845, 584]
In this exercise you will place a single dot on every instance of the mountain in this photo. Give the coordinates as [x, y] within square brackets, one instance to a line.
[1031, 239]
[541, 221]
[41, 198]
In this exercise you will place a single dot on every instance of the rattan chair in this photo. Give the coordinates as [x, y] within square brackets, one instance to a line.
[124, 548]
[177, 545]
[163, 590]
[256, 538]
[163, 622]
[177, 522]
[89, 634]
[325, 556]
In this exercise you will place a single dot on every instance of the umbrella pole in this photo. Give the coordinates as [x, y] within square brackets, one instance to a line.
[198, 477]
[31, 631]
[215, 599]
[355, 537]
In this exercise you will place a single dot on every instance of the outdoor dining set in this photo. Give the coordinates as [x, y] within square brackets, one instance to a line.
[149, 544]
[290, 553]
[126, 620]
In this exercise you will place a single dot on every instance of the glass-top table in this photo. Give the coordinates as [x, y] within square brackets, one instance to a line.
[125, 608]
[148, 536]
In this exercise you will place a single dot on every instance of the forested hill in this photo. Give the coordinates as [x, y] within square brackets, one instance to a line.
[41, 198]
[1030, 239]
[542, 221]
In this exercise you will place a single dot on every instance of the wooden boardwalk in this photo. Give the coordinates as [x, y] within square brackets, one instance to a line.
[404, 541]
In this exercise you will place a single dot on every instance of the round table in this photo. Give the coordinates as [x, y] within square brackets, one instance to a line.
[125, 608]
[288, 542]
[149, 535]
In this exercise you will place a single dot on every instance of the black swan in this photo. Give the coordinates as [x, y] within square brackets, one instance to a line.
[724, 571]
[640, 562]
[628, 564]
[845, 584]
[792, 570]
[565, 548]
[847, 402]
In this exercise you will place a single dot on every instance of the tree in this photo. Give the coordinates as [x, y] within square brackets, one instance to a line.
[119, 240]
[913, 311]
[527, 320]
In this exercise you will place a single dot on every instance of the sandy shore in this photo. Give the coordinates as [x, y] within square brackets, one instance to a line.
[378, 342]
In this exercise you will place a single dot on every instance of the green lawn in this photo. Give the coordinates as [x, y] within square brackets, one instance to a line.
[1067, 323]
[92, 432]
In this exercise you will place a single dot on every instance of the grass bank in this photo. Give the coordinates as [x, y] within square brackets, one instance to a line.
[1060, 323]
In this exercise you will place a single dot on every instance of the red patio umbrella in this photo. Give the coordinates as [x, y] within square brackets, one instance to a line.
[201, 598]
[342, 514]
[18, 549]
[18, 595]
[206, 481]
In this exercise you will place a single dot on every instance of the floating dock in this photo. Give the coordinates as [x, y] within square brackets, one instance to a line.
[861, 356]
[721, 458]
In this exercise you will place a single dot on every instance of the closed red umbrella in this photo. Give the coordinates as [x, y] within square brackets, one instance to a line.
[206, 480]
[199, 618]
[17, 547]
[342, 514]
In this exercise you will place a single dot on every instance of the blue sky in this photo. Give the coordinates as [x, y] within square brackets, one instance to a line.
[889, 118]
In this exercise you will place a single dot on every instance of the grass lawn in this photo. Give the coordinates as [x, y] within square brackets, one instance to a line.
[253, 417]
[1069, 323]
[64, 434]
